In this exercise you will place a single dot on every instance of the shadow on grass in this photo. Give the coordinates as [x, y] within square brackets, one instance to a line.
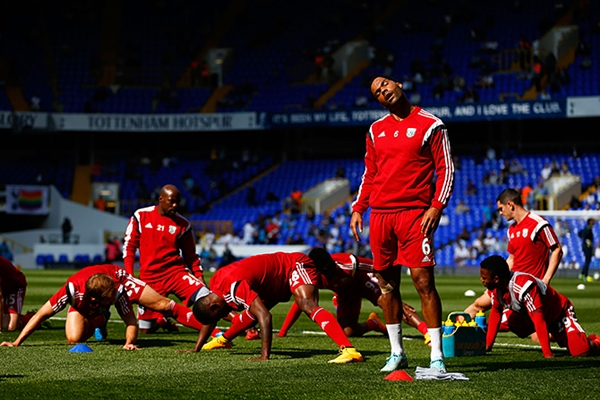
[5, 377]
[561, 362]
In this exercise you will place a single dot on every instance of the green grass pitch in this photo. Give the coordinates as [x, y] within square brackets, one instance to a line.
[43, 368]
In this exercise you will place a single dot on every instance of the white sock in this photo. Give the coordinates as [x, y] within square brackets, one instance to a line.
[395, 335]
[436, 342]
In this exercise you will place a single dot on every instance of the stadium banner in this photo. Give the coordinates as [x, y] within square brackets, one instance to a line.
[571, 107]
[480, 111]
[23, 120]
[27, 199]
[578, 107]
[155, 122]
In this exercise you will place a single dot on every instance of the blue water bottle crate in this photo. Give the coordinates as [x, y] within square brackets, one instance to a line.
[462, 336]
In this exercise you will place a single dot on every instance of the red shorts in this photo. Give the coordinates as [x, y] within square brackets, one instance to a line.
[349, 302]
[396, 239]
[13, 302]
[180, 283]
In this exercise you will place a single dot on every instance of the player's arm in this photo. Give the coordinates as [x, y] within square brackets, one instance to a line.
[43, 314]
[131, 244]
[555, 258]
[260, 311]
[510, 260]
[187, 246]
[361, 203]
[131, 330]
[482, 303]
[493, 326]
[542, 331]
[444, 168]
[203, 336]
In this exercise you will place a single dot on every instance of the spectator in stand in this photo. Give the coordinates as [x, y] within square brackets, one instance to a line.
[415, 97]
[459, 83]
[113, 250]
[461, 253]
[489, 215]
[471, 187]
[464, 235]
[462, 208]
[470, 96]
[546, 171]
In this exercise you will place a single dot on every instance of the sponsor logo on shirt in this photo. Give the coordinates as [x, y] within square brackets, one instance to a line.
[410, 132]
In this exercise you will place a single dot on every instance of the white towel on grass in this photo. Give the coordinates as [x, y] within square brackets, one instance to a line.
[437, 375]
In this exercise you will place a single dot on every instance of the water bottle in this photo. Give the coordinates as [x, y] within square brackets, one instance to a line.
[480, 320]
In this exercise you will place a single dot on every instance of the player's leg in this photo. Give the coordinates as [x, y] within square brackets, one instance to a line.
[149, 320]
[410, 317]
[431, 306]
[78, 328]
[568, 333]
[13, 306]
[347, 313]
[307, 297]
[149, 298]
[291, 317]
[390, 302]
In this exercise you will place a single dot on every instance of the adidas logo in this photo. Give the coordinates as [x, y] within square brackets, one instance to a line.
[382, 134]
[324, 324]
[426, 259]
[148, 225]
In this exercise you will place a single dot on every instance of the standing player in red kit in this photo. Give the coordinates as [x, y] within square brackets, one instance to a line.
[351, 281]
[167, 251]
[533, 246]
[256, 284]
[408, 181]
[90, 292]
[536, 307]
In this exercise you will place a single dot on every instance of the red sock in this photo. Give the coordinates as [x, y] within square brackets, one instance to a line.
[184, 316]
[371, 325]
[239, 324]
[330, 326]
[422, 328]
[291, 317]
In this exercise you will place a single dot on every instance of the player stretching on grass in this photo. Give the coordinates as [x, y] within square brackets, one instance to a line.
[12, 293]
[536, 307]
[408, 181]
[351, 281]
[90, 293]
[533, 246]
[255, 285]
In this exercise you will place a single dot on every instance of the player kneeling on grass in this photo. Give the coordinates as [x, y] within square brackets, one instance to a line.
[256, 284]
[90, 292]
[532, 307]
[12, 293]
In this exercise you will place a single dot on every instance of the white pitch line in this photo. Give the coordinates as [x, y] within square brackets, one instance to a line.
[321, 333]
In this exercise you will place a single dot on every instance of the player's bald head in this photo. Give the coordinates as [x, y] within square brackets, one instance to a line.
[168, 190]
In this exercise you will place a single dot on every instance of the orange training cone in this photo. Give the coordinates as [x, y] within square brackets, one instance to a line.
[399, 376]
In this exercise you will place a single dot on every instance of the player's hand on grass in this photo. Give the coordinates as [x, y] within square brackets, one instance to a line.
[130, 347]
[7, 344]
